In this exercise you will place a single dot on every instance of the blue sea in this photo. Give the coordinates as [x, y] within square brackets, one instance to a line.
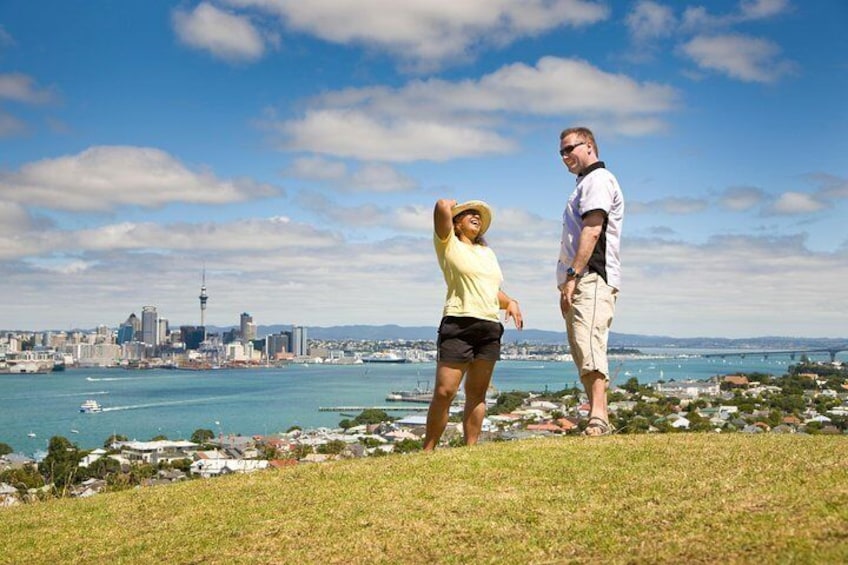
[141, 404]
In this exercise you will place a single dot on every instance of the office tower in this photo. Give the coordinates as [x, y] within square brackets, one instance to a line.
[192, 336]
[276, 343]
[127, 330]
[203, 298]
[247, 327]
[149, 325]
[298, 343]
[163, 331]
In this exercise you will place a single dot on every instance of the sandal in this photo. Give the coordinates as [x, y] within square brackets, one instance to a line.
[597, 427]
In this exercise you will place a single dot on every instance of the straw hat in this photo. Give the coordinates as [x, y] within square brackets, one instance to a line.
[478, 205]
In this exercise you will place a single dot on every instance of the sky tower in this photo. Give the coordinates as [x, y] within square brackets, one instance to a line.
[203, 298]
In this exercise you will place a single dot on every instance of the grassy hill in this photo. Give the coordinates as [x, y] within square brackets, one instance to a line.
[672, 498]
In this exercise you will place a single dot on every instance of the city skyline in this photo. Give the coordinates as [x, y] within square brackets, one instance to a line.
[292, 152]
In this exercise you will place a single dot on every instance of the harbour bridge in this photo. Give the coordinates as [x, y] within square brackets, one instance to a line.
[792, 353]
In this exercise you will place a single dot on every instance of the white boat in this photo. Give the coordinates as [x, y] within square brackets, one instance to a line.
[31, 434]
[90, 406]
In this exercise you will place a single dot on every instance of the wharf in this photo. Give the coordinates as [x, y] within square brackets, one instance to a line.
[406, 408]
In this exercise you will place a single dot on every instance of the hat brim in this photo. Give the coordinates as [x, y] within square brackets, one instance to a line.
[481, 207]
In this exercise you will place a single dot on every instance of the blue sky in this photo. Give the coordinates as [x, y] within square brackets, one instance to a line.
[295, 149]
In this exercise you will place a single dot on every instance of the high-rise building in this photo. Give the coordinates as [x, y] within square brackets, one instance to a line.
[127, 331]
[192, 336]
[149, 325]
[203, 298]
[247, 327]
[298, 343]
[276, 343]
[163, 331]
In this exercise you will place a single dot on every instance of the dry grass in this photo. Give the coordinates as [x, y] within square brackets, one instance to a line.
[624, 499]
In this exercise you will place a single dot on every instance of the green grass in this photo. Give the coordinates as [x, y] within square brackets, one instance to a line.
[671, 498]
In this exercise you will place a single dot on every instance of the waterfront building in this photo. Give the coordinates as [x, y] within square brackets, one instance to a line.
[154, 452]
[149, 325]
[247, 327]
[276, 344]
[192, 336]
[95, 355]
[299, 347]
[163, 331]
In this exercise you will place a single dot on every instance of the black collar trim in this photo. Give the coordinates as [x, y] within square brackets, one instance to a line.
[592, 167]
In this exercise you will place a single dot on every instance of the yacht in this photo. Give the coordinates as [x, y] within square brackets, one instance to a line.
[90, 406]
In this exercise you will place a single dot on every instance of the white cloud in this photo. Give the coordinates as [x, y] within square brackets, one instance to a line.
[381, 178]
[674, 205]
[730, 286]
[317, 168]
[831, 186]
[428, 33]
[101, 178]
[227, 36]
[698, 19]
[10, 125]
[19, 87]
[740, 198]
[13, 218]
[746, 58]
[285, 272]
[760, 9]
[400, 140]
[650, 20]
[373, 177]
[791, 203]
[440, 120]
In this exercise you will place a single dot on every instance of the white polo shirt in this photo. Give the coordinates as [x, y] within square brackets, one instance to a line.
[597, 189]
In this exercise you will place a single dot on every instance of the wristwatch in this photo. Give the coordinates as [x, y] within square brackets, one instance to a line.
[571, 273]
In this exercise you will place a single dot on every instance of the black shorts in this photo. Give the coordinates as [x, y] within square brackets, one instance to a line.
[462, 340]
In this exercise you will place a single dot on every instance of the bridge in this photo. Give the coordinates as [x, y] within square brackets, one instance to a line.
[792, 353]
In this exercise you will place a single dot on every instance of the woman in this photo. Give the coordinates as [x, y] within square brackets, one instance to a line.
[470, 333]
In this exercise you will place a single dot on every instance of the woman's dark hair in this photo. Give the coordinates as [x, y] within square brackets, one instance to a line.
[479, 240]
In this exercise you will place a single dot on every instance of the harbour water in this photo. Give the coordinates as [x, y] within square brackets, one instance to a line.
[141, 404]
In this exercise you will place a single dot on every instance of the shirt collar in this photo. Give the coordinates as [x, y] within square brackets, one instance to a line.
[590, 168]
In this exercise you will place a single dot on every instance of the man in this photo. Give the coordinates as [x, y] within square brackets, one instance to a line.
[589, 269]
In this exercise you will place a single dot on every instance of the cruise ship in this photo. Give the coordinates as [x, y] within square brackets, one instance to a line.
[90, 406]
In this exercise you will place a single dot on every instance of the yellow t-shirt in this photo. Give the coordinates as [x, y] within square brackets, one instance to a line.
[473, 276]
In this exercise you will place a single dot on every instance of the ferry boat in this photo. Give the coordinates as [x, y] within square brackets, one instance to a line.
[90, 406]
[418, 394]
[381, 357]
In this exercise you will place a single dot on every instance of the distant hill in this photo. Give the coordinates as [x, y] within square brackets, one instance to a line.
[415, 333]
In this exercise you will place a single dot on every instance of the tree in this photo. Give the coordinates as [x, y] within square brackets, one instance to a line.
[408, 445]
[631, 385]
[333, 447]
[301, 450]
[508, 401]
[160, 437]
[112, 439]
[372, 416]
[202, 435]
[62, 462]
[102, 468]
[23, 478]
[5, 449]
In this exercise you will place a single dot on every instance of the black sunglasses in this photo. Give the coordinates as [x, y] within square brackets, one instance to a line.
[569, 148]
